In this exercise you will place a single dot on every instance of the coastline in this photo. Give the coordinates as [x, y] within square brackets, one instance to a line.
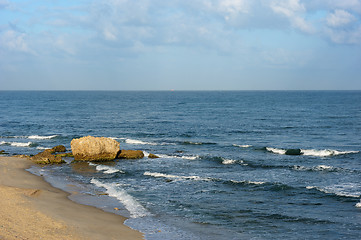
[33, 209]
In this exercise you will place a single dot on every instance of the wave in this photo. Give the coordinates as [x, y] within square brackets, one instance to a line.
[346, 190]
[41, 137]
[198, 178]
[135, 209]
[106, 169]
[197, 143]
[309, 152]
[317, 168]
[358, 205]
[242, 146]
[192, 157]
[139, 142]
[176, 177]
[19, 144]
[228, 161]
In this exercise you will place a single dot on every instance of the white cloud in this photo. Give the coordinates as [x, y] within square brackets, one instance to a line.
[340, 18]
[341, 36]
[14, 41]
[294, 11]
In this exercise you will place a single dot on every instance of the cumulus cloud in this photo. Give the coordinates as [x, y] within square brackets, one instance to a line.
[340, 18]
[14, 41]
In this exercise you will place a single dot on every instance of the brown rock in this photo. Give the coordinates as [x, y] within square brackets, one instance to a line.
[151, 155]
[94, 148]
[59, 148]
[65, 155]
[46, 157]
[131, 154]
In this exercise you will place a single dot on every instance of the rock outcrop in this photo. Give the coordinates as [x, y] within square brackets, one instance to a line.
[151, 155]
[94, 148]
[293, 152]
[47, 157]
[59, 148]
[131, 154]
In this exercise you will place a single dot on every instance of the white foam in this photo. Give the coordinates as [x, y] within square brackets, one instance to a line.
[41, 137]
[242, 146]
[249, 182]
[42, 148]
[315, 168]
[228, 161]
[313, 152]
[325, 152]
[106, 169]
[343, 190]
[324, 168]
[358, 205]
[170, 176]
[180, 157]
[138, 142]
[135, 209]
[276, 150]
[16, 144]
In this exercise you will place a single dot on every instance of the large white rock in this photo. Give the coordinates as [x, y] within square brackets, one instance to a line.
[94, 148]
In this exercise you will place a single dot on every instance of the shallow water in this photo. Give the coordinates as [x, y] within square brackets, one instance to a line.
[222, 172]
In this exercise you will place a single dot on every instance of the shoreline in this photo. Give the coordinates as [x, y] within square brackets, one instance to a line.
[33, 209]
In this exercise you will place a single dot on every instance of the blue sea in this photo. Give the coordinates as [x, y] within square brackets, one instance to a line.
[223, 171]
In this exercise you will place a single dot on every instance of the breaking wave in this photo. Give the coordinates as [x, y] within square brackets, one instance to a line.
[41, 137]
[135, 209]
[345, 190]
[198, 178]
[19, 144]
[242, 146]
[106, 169]
[311, 152]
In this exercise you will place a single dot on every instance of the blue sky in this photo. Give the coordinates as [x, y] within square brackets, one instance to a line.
[180, 44]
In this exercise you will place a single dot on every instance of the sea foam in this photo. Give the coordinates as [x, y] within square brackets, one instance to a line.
[135, 209]
[342, 190]
[106, 169]
[242, 146]
[312, 152]
[176, 177]
[17, 144]
[41, 137]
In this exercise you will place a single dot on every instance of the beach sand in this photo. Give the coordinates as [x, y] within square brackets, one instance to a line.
[31, 208]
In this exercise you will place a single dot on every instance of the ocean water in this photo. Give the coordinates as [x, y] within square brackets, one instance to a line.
[223, 172]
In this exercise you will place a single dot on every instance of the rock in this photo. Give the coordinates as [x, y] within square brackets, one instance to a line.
[131, 154]
[293, 152]
[59, 148]
[46, 157]
[65, 155]
[151, 155]
[94, 148]
[3, 152]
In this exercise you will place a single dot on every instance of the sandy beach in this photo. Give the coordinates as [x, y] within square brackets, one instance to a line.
[31, 208]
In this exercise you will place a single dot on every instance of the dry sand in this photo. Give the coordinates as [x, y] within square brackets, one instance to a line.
[31, 208]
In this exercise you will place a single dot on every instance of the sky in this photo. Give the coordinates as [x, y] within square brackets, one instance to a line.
[180, 45]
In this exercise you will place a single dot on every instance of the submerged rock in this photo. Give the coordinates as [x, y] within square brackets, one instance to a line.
[293, 152]
[151, 155]
[94, 148]
[131, 154]
[3, 152]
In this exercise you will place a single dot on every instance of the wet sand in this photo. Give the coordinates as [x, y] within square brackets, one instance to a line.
[31, 208]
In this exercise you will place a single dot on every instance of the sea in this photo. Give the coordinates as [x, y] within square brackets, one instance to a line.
[223, 170]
